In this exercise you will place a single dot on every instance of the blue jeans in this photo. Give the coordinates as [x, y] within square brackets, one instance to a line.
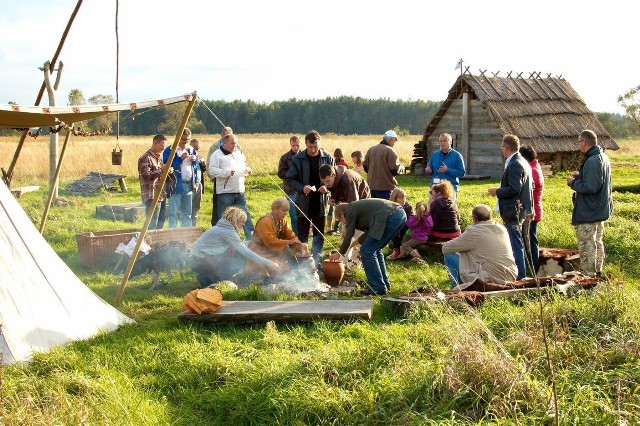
[293, 213]
[381, 194]
[452, 263]
[156, 221]
[183, 203]
[515, 236]
[371, 253]
[236, 199]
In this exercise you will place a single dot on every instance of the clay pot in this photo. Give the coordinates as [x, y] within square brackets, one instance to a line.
[333, 272]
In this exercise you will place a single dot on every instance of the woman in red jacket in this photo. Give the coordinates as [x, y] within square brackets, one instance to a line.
[530, 154]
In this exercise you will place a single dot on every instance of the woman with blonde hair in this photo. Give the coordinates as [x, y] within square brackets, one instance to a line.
[219, 254]
[444, 211]
[273, 239]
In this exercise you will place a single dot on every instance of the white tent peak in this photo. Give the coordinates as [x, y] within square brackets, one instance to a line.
[42, 302]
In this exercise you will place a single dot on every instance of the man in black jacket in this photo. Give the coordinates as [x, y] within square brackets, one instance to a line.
[515, 197]
[592, 202]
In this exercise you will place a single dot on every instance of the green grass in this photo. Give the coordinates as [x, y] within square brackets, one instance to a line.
[436, 365]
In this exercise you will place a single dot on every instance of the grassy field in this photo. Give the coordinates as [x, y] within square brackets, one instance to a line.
[436, 365]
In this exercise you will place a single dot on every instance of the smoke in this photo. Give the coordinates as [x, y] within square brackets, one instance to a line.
[300, 279]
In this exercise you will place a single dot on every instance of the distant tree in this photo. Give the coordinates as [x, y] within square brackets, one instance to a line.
[630, 101]
[173, 116]
[76, 97]
[104, 121]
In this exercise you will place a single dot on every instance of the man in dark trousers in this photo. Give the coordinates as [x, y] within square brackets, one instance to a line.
[380, 220]
[283, 169]
[592, 202]
[515, 197]
[313, 197]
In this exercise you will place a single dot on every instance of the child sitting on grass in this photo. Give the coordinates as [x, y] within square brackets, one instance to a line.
[420, 225]
[356, 157]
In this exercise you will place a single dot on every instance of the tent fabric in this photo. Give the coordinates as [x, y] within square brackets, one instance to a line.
[23, 117]
[42, 302]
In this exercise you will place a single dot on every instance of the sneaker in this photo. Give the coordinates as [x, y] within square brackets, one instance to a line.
[333, 232]
[394, 255]
[370, 292]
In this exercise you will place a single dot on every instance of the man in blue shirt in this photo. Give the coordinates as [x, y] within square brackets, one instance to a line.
[447, 163]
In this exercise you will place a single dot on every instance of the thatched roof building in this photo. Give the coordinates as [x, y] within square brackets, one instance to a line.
[545, 113]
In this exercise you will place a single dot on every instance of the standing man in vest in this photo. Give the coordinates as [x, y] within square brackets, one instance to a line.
[185, 166]
[214, 147]
[515, 197]
[592, 203]
[381, 164]
[283, 168]
[447, 164]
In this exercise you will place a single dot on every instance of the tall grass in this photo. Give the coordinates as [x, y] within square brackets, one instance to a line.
[437, 364]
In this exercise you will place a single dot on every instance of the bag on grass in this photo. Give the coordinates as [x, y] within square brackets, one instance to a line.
[202, 301]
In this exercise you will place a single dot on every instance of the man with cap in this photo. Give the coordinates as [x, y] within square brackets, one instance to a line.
[381, 164]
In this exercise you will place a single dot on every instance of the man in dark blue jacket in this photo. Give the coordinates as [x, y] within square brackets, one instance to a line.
[592, 202]
[515, 197]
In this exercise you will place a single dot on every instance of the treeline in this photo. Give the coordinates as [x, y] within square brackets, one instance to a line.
[340, 115]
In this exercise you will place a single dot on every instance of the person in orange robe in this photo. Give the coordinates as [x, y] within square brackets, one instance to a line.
[274, 240]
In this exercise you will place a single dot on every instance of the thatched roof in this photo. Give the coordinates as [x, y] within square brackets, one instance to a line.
[545, 113]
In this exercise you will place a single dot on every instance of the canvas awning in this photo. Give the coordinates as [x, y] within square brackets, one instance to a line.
[24, 117]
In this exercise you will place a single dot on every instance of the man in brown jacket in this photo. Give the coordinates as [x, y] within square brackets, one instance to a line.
[381, 164]
[482, 251]
[344, 184]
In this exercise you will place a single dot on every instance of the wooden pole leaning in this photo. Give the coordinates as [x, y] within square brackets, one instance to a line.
[52, 188]
[165, 173]
[8, 175]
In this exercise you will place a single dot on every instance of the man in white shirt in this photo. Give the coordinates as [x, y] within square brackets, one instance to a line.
[228, 167]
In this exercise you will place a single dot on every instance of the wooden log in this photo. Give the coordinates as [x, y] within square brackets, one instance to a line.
[123, 184]
[132, 214]
[284, 311]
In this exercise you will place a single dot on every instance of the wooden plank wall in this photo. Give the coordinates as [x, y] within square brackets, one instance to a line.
[485, 138]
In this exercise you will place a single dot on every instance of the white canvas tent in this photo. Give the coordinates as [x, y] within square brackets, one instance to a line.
[42, 303]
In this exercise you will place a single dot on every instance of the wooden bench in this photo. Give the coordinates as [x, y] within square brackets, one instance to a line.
[17, 192]
[431, 246]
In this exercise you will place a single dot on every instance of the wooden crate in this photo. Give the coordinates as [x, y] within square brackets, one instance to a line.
[96, 250]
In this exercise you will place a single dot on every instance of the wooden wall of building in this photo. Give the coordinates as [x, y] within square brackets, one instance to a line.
[485, 138]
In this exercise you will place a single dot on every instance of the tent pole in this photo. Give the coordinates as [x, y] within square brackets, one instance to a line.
[8, 175]
[52, 188]
[165, 173]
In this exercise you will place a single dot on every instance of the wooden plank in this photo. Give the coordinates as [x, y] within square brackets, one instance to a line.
[17, 192]
[285, 311]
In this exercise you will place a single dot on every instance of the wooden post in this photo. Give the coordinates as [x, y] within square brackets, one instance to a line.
[53, 136]
[143, 231]
[55, 178]
[464, 148]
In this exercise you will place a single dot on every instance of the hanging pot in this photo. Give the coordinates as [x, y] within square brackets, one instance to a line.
[333, 272]
[116, 156]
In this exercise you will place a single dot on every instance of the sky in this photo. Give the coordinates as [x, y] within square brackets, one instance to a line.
[281, 49]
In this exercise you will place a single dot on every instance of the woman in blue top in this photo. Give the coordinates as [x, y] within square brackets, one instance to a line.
[219, 254]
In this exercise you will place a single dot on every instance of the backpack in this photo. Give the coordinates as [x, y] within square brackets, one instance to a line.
[170, 185]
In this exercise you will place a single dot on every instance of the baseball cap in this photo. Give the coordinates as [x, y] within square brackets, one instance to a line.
[389, 134]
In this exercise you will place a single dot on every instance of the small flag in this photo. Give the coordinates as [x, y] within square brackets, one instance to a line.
[459, 64]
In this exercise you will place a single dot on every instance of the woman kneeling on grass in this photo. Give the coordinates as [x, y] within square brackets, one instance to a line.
[274, 240]
[444, 212]
[219, 254]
